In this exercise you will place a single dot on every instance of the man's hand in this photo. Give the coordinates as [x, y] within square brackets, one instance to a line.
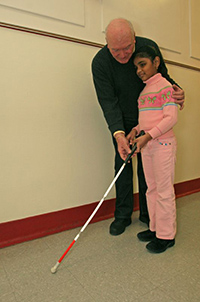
[179, 95]
[131, 136]
[123, 145]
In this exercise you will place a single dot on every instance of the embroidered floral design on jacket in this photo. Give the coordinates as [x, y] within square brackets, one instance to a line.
[142, 101]
[167, 95]
[152, 100]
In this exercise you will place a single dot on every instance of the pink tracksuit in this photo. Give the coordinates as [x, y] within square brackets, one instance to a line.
[157, 116]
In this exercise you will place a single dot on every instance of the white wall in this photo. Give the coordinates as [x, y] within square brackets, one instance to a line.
[56, 151]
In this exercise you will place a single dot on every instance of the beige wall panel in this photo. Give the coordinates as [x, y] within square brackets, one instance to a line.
[63, 10]
[82, 18]
[158, 20]
[194, 26]
[167, 22]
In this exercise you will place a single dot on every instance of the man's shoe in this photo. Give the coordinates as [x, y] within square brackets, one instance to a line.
[118, 226]
[159, 245]
[146, 236]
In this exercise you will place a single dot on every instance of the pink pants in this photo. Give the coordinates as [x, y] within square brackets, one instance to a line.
[158, 158]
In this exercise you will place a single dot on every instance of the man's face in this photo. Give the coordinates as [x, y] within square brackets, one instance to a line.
[121, 49]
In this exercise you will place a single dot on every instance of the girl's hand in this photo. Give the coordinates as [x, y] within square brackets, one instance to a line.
[142, 141]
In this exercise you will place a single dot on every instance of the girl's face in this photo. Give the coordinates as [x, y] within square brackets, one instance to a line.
[145, 68]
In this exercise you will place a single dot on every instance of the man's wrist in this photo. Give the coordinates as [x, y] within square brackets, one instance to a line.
[118, 133]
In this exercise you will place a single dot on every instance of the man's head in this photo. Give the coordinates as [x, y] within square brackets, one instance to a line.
[120, 38]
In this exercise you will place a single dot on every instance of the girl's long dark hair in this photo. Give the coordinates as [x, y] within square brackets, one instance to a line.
[146, 52]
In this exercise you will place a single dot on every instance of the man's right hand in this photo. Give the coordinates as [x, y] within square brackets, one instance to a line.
[123, 145]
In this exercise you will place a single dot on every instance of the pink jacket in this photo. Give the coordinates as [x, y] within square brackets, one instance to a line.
[157, 109]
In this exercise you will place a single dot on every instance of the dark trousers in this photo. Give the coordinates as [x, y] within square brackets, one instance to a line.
[124, 188]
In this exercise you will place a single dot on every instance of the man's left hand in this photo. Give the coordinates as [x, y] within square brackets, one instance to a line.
[179, 95]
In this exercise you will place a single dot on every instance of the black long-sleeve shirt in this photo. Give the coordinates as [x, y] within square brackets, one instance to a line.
[118, 86]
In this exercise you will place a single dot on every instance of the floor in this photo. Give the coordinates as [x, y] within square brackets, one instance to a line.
[103, 268]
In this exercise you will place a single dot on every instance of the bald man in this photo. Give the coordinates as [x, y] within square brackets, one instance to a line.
[118, 87]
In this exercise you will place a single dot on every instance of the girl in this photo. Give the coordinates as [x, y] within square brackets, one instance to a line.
[157, 116]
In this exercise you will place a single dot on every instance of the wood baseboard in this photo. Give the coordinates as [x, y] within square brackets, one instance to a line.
[187, 187]
[30, 228]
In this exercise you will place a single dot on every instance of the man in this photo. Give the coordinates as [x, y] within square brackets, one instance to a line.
[118, 87]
